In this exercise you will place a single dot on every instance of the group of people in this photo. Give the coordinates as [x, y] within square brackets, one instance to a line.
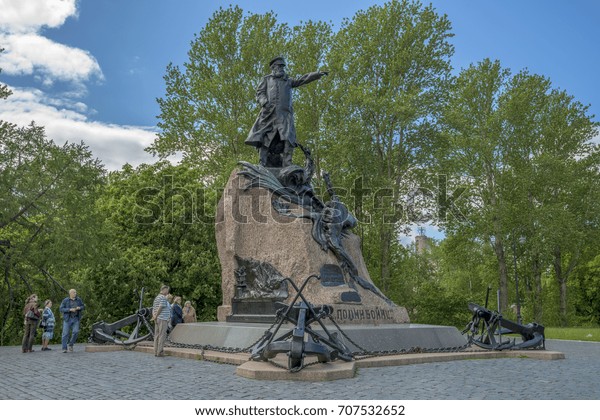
[71, 309]
[167, 313]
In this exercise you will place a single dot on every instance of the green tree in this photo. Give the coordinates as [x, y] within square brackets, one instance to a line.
[160, 223]
[473, 151]
[48, 224]
[523, 150]
[210, 104]
[466, 266]
[570, 199]
[390, 67]
[552, 169]
[522, 107]
[47, 220]
[587, 281]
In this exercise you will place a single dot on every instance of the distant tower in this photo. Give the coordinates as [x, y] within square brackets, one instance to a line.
[422, 242]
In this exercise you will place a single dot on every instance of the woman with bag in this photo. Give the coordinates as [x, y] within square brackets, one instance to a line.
[189, 313]
[47, 324]
[32, 316]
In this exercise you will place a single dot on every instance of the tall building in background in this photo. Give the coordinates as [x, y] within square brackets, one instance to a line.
[422, 242]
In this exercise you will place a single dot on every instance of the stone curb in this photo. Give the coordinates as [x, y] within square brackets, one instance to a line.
[327, 371]
[314, 373]
[183, 353]
[418, 358]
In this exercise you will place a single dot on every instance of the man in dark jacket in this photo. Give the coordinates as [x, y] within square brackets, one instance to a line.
[71, 308]
[274, 132]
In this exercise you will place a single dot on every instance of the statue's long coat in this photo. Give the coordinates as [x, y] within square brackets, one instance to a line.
[279, 118]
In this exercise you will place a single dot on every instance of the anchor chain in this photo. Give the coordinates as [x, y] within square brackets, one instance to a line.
[283, 315]
[221, 349]
[365, 354]
[357, 355]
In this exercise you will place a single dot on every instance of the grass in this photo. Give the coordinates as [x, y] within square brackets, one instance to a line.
[575, 333]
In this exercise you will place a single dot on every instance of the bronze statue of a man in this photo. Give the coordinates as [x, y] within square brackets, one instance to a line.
[274, 133]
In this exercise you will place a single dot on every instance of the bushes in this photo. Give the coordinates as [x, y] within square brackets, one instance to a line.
[439, 306]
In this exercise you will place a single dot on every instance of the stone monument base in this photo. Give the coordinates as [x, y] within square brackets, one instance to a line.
[384, 337]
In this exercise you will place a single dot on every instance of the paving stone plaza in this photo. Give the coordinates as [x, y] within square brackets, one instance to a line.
[131, 375]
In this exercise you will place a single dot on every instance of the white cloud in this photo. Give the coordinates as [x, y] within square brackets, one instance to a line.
[63, 115]
[27, 54]
[30, 15]
[114, 145]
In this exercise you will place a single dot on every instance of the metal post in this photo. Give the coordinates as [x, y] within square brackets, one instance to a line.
[498, 300]
[499, 316]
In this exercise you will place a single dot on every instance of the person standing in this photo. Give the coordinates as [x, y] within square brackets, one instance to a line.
[72, 310]
[31, 316]
[161, 315]
[176, 312]
[47, 323]
[189, 313]
[170, 302]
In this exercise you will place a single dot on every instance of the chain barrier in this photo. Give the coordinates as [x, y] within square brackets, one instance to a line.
[221, 349]
[357, 355]
[361, 354]
[365, 354]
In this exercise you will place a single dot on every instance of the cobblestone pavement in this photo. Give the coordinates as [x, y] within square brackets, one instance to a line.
[133, 375]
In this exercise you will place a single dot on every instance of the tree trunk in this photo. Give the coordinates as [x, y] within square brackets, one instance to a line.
[564, 322]
[385, 259]
[498, 242]
[537, 300]
[10, 296]
[502, 272]
[561, 278]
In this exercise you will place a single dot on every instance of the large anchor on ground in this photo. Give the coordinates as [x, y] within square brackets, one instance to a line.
[104, 333]
[302, 340]
[487, 329]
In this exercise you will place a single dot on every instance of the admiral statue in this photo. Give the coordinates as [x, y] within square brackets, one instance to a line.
[274, 133]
